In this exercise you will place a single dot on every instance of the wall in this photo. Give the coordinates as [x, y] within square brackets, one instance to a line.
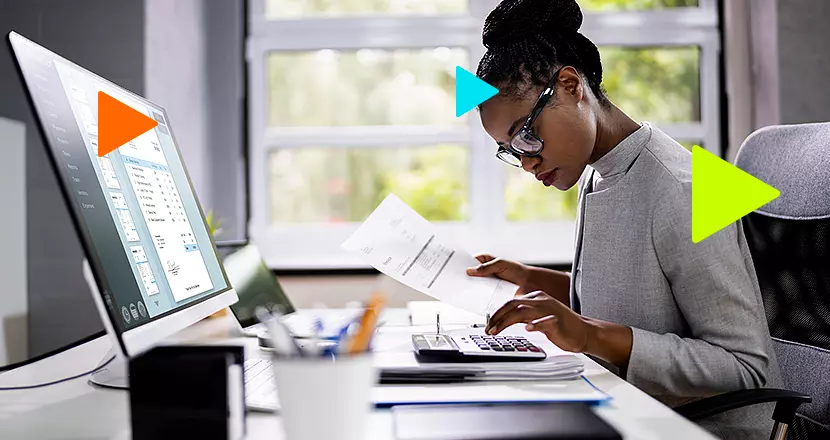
[195, 70]
[174, 78]
[224, 27]
[776, 64]
[804, 61]
[178, 53]
[13, 313]
[107, 37]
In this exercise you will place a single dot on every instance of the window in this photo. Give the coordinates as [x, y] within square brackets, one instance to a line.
[353, 99]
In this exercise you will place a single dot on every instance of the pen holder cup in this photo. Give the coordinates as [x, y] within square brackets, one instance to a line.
[325, 398]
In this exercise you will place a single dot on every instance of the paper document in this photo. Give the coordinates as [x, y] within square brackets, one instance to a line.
[576, 390]
[561, 367]
[400, 243]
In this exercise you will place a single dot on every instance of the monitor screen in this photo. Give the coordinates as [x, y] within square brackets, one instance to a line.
[135, 209]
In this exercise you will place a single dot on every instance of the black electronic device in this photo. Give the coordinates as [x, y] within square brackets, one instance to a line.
[188, 392]
[549, 421]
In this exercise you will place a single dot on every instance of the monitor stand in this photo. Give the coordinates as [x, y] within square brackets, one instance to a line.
[115, 374]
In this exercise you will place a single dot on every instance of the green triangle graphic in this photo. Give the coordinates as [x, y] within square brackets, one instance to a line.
[722, 193]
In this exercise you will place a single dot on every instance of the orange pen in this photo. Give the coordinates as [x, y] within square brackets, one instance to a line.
[360, 342]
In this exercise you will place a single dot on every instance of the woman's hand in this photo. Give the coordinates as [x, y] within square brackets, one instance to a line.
[528, 278]
[543, 313]
[512, 271]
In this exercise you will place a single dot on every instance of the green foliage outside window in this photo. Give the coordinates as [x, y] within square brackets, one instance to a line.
[416, 87]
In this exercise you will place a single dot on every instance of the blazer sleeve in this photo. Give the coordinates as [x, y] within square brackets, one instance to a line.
[715, 287]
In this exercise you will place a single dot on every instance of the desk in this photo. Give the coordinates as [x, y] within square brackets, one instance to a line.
[78, 410]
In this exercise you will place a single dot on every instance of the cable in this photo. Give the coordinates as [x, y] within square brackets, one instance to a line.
[54, 382]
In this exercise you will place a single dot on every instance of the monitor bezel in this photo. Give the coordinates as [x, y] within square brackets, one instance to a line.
[163, 324]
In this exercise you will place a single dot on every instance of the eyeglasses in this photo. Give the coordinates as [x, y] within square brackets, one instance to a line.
[525, 143]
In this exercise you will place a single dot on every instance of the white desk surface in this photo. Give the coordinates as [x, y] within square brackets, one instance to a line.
[77, 410]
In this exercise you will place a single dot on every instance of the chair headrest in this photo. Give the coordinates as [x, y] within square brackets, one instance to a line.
[795, 159]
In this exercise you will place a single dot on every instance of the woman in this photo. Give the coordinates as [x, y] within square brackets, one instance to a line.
[679, 320]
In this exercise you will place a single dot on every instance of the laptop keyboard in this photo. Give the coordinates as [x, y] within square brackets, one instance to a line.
[260, 388]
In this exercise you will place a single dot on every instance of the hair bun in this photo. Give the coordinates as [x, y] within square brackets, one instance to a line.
[514, 20]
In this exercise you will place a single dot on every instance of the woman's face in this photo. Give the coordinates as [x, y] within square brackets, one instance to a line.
[568, 129]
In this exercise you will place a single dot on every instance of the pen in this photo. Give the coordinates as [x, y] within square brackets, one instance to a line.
[486, 322]
[340, 338]
[360, 342]
[315, 338]
[284, 344]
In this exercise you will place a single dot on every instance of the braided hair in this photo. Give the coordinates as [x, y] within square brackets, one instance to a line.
[528, 40]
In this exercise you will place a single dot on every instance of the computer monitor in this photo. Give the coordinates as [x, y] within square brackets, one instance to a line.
[152, 264]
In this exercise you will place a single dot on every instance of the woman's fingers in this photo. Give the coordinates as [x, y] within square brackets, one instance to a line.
[544, 324]
[483, 258]
[510, 306]
[507, 308]
[495, 266]
[523, 312]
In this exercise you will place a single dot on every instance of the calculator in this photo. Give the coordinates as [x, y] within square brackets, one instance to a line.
[475, 348]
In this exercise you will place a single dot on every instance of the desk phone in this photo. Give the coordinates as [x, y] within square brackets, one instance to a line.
[477, 348]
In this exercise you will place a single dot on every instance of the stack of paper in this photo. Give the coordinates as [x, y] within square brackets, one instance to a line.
[405, 365]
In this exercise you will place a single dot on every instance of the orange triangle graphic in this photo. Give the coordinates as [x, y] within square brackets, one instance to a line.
[119, 123]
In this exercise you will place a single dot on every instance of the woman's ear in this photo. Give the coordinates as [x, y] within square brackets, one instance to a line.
[570, 81]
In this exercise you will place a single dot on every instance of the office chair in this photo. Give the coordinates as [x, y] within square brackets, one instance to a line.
[789, 240]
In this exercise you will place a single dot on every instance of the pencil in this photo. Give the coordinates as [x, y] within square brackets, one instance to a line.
[360, 342]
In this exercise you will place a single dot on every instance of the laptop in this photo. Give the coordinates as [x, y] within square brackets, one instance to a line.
[257, 286]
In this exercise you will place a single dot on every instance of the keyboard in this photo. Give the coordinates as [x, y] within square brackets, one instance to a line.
[260, 387]
[480, 348]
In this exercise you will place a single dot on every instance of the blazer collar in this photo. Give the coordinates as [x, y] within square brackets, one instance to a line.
[620, 158]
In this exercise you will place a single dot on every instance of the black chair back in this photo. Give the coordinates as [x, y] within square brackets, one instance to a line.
[790, 244]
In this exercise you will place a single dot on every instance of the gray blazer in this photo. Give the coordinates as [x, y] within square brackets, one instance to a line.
[695, 309]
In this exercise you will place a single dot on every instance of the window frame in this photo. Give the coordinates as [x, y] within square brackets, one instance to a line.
[317, 246]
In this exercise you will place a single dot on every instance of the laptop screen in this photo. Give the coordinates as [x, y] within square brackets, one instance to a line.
[255, 285]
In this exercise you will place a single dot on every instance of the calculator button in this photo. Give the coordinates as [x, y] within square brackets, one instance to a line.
[484, 347]
[534, 349]
[521, 348]
[497, 348]
[508, 348]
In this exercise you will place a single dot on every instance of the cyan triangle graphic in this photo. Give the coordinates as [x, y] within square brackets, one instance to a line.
[470, 91]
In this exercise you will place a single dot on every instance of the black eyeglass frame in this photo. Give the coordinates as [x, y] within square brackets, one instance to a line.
[526, 131]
